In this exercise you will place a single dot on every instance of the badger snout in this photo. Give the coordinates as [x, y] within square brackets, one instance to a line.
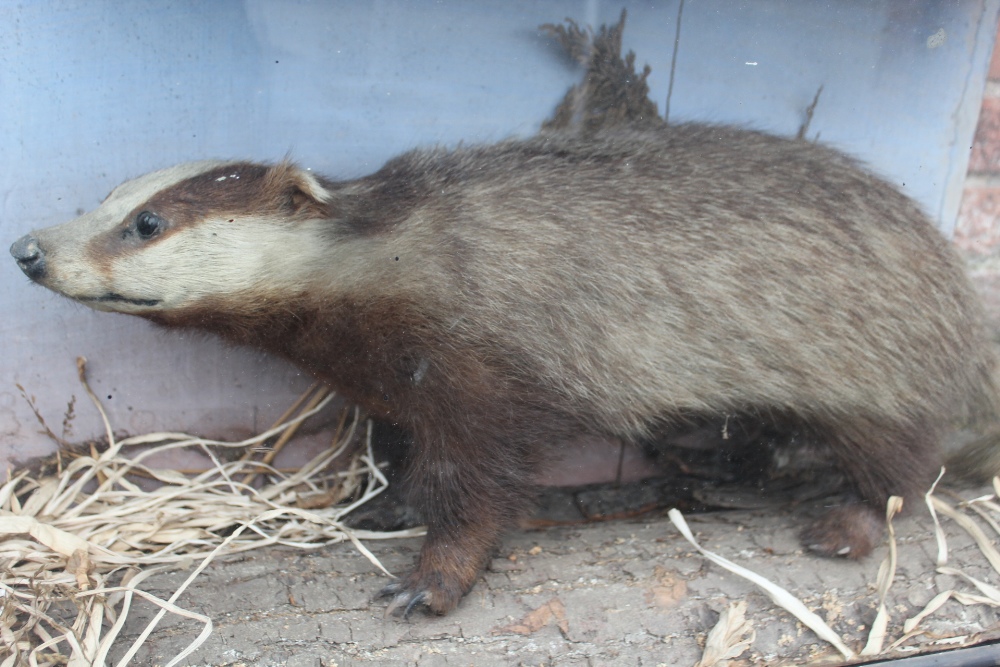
[29, 256]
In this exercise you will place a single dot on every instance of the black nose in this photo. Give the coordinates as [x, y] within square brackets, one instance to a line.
[29, 256]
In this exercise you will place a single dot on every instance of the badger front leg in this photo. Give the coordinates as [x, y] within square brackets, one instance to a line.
[471, 475]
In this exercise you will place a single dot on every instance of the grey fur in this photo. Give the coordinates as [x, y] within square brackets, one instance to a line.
[644, 274]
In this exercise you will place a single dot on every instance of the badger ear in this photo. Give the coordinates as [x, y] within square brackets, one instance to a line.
[298, 192]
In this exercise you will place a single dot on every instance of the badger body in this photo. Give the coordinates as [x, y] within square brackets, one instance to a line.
[497, 300]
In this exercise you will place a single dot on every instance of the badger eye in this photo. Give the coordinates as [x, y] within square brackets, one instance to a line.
[148, 224]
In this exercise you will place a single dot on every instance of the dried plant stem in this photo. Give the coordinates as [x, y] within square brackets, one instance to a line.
[290, 432]
[68, 537]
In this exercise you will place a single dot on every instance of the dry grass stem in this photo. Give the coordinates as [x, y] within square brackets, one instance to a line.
[942, 543]
[886, 573]
[729, 639]
[968, 525]
[985, 507]
[77, 546]
[781, 597]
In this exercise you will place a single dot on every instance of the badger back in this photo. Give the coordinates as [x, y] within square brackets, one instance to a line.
[699, 269]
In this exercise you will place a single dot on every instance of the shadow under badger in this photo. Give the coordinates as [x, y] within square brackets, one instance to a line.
[498, 300]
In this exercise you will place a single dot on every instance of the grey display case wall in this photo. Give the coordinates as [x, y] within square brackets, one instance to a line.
[94, 93]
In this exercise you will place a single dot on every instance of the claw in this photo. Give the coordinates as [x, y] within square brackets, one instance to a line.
[389, 590]
[403, 599]
[423, 597]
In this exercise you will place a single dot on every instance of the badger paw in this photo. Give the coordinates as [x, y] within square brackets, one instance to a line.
[849, 531]
[409, 593]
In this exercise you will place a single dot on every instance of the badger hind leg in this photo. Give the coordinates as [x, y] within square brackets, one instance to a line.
[880, 458]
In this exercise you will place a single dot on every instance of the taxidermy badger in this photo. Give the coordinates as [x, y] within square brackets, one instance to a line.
[498, 300]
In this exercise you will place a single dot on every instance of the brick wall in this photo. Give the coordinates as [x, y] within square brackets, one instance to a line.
[977, 232]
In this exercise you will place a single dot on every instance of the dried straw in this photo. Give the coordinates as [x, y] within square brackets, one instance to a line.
[76, 547]
[729, 644]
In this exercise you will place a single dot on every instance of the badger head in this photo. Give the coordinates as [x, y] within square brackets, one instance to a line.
[202, 232]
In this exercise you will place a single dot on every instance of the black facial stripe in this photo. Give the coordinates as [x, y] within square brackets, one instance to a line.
[111, 296]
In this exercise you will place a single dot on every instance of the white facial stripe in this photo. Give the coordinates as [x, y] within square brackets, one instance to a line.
[119, 203]
[70, 271]
[217, 258]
